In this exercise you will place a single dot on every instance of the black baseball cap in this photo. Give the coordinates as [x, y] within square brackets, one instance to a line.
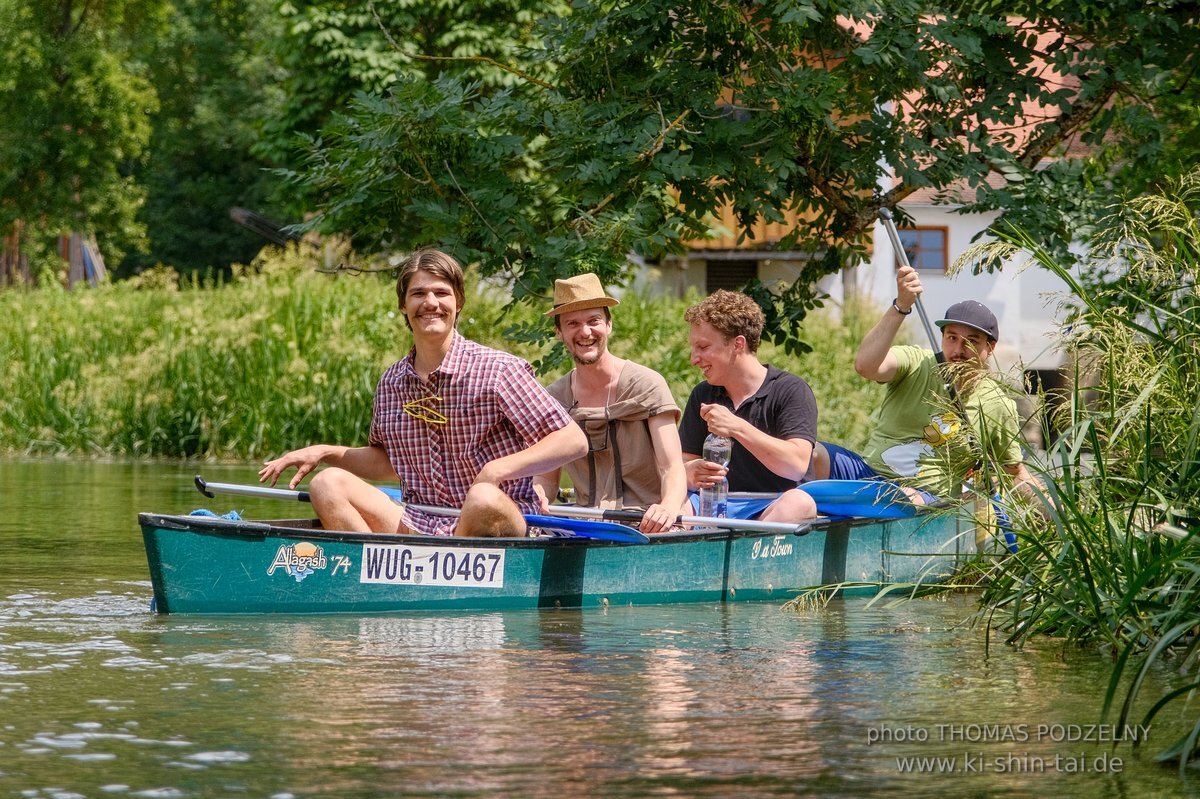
[972, 314]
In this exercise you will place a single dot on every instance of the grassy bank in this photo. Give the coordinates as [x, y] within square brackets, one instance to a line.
[283, 356]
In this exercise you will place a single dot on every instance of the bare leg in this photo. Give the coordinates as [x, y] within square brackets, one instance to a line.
[820, 462]
[985, 522]
[488, 512]
[792, 506]
[344, 501]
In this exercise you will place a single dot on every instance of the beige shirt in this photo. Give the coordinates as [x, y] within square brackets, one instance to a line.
[640, 394]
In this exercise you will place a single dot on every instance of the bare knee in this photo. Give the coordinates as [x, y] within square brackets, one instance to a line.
[792, 506]
[330, 485]
[490, 513]
[344, 501]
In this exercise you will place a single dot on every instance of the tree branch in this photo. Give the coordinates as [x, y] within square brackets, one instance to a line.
[482, 59]
[1050, 136]
[478, 59]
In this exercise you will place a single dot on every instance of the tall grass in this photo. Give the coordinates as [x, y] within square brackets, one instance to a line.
[283, 356]
[1120, 566]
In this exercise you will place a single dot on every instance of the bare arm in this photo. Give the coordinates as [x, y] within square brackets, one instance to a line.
[550, 453]
[788, 458]
[874, 360]
[1029, 487]
[668, 457]
[545, 485]
[369, 463]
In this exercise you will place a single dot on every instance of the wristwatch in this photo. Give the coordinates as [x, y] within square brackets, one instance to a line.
[897, 307]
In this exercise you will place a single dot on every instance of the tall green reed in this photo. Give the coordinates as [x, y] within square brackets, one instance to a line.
[1120, 566]
[282, 356]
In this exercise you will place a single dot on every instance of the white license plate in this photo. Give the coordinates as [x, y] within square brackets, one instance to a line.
[392, 564]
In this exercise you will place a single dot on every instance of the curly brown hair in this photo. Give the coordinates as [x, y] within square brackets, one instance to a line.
[732, 314]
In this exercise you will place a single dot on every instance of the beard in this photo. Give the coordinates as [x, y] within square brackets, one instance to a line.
[965, 375]
[600, 348]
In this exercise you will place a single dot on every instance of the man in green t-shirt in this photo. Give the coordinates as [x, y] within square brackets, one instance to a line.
[921, 440]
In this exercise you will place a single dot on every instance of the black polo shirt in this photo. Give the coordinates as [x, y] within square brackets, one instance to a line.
[784, 407]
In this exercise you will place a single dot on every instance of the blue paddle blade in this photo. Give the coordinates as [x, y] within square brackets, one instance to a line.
[587, 528]
[873, 499]
[1005, 525]
[841, 509]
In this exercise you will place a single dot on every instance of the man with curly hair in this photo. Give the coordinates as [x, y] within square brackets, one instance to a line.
[770, 414]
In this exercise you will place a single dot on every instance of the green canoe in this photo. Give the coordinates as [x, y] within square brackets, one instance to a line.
[203, 564]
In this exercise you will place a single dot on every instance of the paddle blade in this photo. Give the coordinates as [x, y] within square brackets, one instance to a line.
[587, 528]
[872, 499]
[848, 510]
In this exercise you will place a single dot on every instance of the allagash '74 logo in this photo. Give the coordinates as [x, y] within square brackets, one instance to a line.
[299, 560]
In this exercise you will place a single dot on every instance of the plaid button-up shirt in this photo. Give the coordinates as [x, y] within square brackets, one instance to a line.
[493, 406]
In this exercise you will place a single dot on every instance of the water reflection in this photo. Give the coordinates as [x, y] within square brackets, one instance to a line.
[99, 696]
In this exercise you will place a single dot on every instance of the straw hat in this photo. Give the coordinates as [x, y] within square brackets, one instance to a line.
[579, 293]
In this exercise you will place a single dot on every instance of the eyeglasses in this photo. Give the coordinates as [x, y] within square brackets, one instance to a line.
[418, 409]
[607, 429]
[600, 448]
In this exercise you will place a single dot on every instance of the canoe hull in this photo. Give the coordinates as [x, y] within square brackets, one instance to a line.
[212, 565]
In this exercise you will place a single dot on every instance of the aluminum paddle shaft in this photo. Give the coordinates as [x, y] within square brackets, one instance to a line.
[783, 528]
[885, 216]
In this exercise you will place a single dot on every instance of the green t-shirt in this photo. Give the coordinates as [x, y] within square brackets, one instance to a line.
[919, 439]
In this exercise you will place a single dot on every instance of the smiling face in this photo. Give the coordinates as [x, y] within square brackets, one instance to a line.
[712, 353]
[965, 344]
[585, 334]
[430, 305]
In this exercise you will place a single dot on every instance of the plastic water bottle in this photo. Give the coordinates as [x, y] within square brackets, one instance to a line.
[714, 500]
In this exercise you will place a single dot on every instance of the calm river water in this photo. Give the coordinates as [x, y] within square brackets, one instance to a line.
[101, 697]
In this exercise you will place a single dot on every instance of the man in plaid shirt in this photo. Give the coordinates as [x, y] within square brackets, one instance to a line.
[458, 424]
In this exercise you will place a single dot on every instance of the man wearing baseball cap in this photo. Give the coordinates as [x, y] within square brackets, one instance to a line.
[921, 439]
[634, 459]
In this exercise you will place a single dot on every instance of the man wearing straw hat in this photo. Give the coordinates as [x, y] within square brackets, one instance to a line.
[627, 411]
[459, 424]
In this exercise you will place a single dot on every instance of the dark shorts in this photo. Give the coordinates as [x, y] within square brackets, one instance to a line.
[847, 465]
[738, 507]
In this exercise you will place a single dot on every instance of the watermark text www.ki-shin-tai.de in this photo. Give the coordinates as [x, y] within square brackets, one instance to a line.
[957, 752]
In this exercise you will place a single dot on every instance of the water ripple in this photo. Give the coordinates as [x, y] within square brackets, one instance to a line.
[220, 757]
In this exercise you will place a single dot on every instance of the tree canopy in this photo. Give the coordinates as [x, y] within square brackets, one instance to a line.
[633, 123]
[329, 51]
[76, 108]
[213, 86]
